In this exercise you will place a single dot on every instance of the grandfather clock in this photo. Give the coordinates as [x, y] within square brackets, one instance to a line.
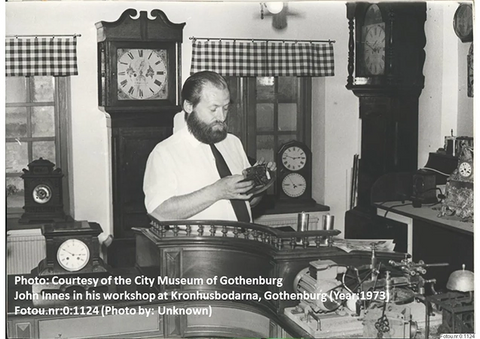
[139, 79]
[386, 57]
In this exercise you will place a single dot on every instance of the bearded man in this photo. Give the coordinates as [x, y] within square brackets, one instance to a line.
[182, 177]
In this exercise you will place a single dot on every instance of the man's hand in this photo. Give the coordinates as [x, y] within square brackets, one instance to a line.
[233, 187]
[272, 166]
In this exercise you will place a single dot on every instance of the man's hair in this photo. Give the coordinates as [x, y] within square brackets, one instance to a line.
[193, 86]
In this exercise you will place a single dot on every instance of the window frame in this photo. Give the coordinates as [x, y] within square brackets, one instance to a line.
[245, 90]
[62, 113]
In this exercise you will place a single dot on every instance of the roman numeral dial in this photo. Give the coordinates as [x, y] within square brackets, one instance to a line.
[142, 74]
[374, 48]
[294, 158]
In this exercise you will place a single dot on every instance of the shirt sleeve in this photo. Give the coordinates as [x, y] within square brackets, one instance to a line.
[160, 181]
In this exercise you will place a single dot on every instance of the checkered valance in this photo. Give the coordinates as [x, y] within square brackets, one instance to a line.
[41, 56]
[263, 58]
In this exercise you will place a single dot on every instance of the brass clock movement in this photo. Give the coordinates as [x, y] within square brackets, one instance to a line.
[139, 63]
[294, 174]
[43, 192]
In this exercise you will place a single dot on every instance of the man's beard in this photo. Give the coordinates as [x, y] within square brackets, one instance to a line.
[206, 133]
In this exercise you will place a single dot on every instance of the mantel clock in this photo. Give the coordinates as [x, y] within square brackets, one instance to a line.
[294, 174]
[72, 251]
[43, 192]
[139, 62]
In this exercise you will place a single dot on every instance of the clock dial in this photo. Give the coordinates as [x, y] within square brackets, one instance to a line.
[294, 185]
[374, 48]
[42, 194]
[73, 255]
[294, 158]
[142, 74]
[465, 169]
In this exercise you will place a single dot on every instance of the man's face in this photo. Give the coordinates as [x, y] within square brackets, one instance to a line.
[207, 120]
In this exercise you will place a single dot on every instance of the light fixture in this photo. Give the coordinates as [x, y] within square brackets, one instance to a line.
[274, 7]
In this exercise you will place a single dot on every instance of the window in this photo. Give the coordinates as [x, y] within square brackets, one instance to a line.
[270, 111]
[37, 125]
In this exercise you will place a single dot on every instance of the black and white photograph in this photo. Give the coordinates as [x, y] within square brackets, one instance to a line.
[239, 169]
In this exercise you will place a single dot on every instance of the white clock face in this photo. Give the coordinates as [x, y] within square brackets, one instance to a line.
[142, 74]
[294, 185]
[73, 255]
[465, 169]
[294, 158]
[374, 48]
[42, 194]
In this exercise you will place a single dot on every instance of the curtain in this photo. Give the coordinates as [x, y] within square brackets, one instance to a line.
[52, 56]
[263, 58]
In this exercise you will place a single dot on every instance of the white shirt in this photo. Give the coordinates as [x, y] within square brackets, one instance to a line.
[181, 165]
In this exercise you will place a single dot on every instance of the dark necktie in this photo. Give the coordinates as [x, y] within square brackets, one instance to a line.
[238, 205]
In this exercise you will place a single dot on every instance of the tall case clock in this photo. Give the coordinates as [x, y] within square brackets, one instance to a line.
[385, 71]
[139, 79]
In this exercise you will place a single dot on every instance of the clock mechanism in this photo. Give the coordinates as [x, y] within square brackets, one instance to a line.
[294, 174]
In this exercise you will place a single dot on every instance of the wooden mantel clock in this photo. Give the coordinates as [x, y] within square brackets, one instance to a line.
[294, 174]
[385, 71]
[72, 250]
[139, 81]
[43, 192]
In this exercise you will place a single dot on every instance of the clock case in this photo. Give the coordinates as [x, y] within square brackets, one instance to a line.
[138, 33]
[136, 125]
[42, 172]
[306, 198]
[57, 233]
[404, 54]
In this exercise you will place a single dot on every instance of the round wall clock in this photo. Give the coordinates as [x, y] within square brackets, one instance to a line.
[463, 22]
[294, 174]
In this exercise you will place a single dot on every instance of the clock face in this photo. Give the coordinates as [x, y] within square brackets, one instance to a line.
[374, 48]
[294, 185]
[294, 158]
[73, 255]
[42, 194]
[465, 169]
[142, 74]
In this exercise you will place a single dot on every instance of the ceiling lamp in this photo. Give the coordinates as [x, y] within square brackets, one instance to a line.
[274, 7]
